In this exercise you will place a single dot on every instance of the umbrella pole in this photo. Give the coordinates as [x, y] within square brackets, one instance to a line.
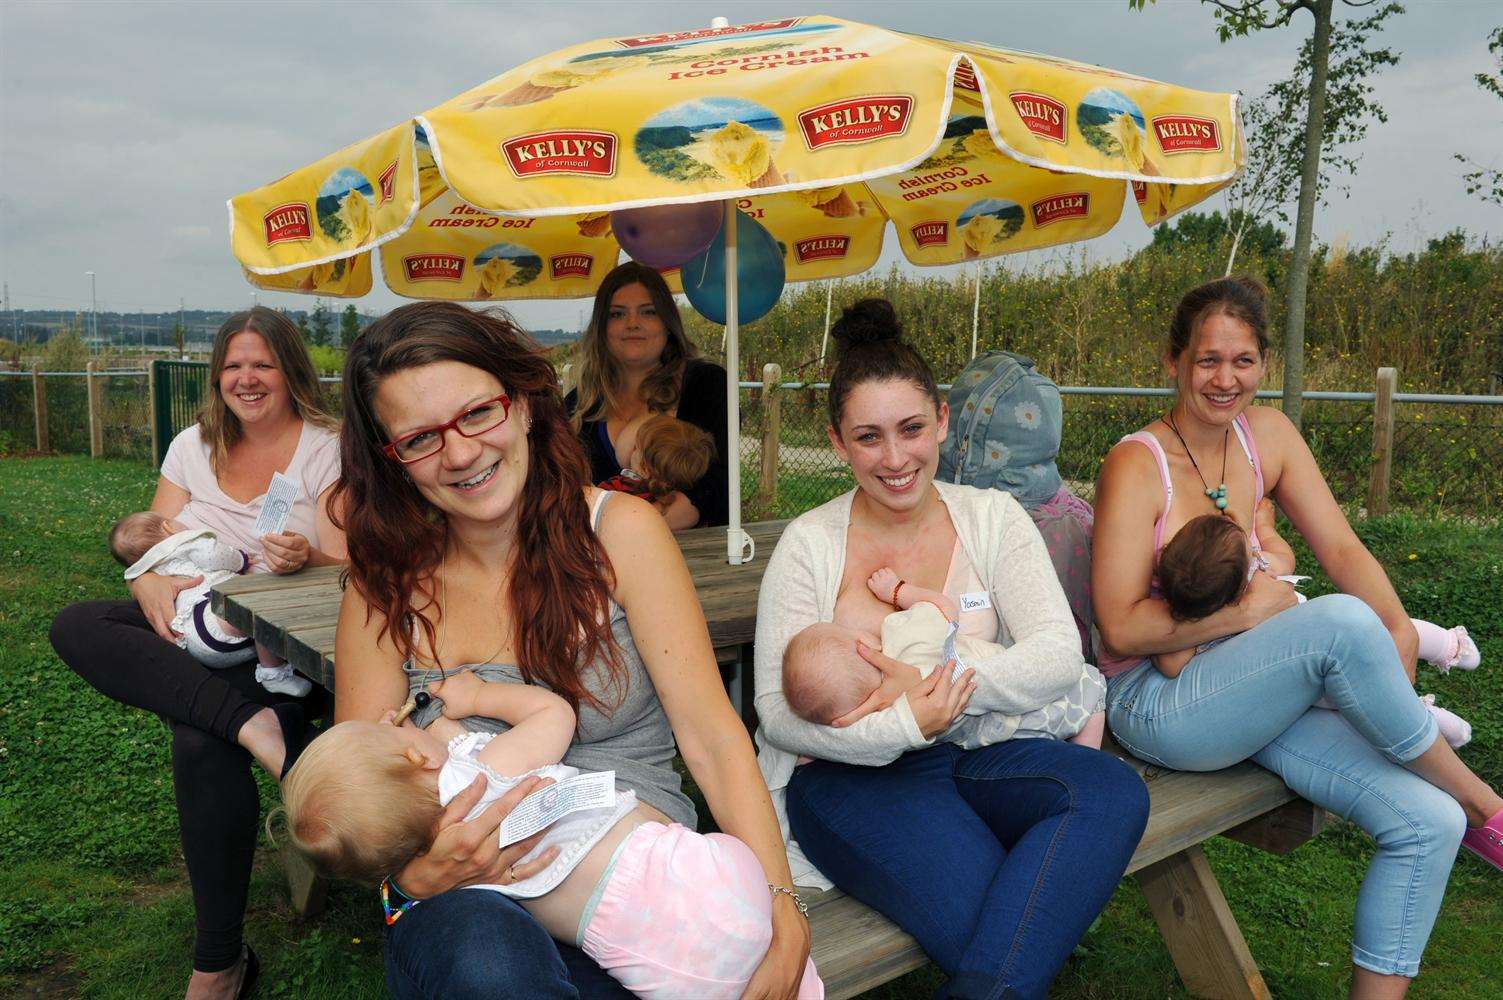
[825, 342]
[738, 544]
[976, 311]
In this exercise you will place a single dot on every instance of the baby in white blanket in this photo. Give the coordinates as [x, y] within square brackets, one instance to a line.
[146, 542]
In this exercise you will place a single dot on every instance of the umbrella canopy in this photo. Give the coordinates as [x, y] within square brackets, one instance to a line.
[821, 129]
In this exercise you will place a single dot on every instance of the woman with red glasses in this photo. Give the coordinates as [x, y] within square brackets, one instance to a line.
[477, 543]
[263, 416]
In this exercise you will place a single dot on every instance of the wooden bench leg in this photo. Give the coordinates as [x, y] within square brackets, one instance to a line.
[305, 884]
[1198, 926]
[1283, 829]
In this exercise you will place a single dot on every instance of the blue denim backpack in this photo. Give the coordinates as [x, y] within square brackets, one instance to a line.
[1005, 426]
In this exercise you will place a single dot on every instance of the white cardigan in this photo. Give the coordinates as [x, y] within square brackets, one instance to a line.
[1041, 662]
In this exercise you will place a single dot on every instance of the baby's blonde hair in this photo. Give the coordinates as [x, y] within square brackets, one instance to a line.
[823, 675]
[357, 809]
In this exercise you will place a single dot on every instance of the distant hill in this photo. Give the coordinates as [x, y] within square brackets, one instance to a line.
[157, 328]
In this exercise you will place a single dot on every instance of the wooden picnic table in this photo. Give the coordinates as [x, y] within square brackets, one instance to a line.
[856, 948]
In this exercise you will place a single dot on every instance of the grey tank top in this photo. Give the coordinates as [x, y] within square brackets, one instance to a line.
[632, 738]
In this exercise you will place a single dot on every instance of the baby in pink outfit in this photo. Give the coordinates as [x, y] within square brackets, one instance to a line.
[362, 800]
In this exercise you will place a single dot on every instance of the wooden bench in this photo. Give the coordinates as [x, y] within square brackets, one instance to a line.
[856, 948]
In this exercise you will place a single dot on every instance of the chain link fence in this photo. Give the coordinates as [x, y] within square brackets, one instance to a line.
[1447, 451]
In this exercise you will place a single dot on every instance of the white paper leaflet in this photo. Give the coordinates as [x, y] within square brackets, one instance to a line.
[278, 505]
[596, 790]
[951, 653]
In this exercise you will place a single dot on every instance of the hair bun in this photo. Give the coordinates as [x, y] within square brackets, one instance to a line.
[870, 321]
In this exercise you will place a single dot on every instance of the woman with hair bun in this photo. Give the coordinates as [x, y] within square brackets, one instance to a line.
[1378, 760]
[997, 859]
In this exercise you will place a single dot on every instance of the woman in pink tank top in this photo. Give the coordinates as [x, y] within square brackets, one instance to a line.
[1377, 760]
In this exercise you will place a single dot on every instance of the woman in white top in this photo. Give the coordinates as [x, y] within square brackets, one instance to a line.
[262, 416]
[996, 860]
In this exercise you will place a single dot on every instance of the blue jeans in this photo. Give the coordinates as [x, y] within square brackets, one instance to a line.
[469, 944]
[996, 860]
[1251, 696]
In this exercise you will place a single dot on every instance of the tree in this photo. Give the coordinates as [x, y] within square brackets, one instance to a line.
[1214, 230]
[349, 326]
[302, 327]
[1487, 182]
[1337, 103]
[319, 322]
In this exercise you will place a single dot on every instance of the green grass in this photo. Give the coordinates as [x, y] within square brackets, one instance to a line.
[94, 901]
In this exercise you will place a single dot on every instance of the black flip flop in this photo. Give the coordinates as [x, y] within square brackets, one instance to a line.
[297, 732]
[249, 976]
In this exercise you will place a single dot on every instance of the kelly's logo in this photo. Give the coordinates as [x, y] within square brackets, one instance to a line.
[1042, 115]
[1076, 205]
[965, 76]
[931, 234]
[674, 37]
[821, 248]
[288, 223]
[860, 119]
[433, 267]
[1186, 134]
[1139, 192]
[388, 184]
[570, 265]
[568, 151]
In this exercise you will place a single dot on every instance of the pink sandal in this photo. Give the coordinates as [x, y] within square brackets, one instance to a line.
[1486, 841]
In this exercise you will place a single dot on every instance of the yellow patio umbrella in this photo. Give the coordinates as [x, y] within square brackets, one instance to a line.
[821, 129]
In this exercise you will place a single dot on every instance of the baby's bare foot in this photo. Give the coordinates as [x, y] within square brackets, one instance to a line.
[883, 583]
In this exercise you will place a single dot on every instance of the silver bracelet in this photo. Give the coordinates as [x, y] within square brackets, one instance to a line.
[798, 900]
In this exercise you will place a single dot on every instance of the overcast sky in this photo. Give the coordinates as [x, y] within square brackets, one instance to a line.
[125, 126]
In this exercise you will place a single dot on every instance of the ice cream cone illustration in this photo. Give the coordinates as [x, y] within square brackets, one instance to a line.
[834, 202]
[1134, 149]
[594, 225]
[318, 276]
[980, 235]
[740, 153]
[978, 143]
[543, 85]
[494, 276]
[356, 212]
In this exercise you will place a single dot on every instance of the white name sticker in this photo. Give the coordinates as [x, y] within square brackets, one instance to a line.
[595, 790]
[979, 601]
[277, 506]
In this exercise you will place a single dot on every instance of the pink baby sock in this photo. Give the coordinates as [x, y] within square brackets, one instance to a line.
[1453, 728]
[1446, 647]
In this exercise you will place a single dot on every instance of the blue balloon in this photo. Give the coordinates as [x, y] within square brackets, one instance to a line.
[759, 274]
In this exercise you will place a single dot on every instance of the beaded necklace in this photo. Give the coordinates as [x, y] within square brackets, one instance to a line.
[1217, 495]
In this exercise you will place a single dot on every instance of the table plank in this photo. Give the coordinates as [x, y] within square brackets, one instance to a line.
[294, 615]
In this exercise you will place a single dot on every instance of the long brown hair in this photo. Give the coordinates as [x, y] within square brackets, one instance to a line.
[600, 374]
[1241, 298]
[560, 575]
[218, 426]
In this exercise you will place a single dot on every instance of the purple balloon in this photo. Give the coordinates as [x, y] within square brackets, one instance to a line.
[667, 235]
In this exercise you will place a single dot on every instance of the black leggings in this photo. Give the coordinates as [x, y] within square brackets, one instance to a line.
[111, 645]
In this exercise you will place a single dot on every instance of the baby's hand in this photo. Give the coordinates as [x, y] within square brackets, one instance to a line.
[1263, 517]
[883, 583]
[947, 605]
[458, 692]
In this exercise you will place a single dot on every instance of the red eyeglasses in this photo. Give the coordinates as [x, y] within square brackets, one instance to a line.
[429, 441]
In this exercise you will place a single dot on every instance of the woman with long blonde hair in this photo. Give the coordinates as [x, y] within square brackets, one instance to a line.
[262, 416]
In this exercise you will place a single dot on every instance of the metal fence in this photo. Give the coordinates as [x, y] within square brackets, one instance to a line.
[1446, 453]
